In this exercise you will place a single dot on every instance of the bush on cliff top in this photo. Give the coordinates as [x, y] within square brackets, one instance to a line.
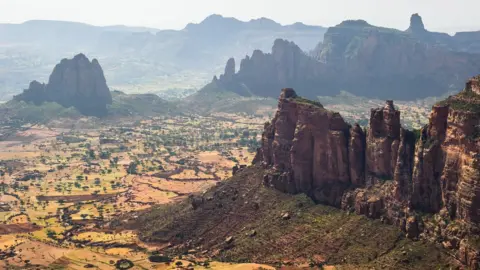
[463, 101]
[302, 100]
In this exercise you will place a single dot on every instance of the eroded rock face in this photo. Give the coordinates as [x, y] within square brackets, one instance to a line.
[403, 169]
[382, 143]
[386, 172]
[309, 147]
[356, 155]
[429, 162]
[74, 82]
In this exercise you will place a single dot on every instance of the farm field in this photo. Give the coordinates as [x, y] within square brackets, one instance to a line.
[60, 187]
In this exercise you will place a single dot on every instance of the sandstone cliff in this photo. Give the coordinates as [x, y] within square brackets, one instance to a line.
[74, 82]
[426, 182]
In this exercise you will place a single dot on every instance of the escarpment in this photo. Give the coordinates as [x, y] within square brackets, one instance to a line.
[362, 59]
[425, 182]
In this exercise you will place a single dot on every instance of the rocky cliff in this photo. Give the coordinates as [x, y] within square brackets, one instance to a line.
[360, 58]
[76, 82]
[263, 74]
[461, 41]
[392, 64]
[426, 182]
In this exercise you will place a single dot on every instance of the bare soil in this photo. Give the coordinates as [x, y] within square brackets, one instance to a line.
[18, 228]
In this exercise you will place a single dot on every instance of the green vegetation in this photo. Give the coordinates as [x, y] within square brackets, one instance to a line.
[30, 113]
[21, 112]
[138, 104]
[463, 101]
[356, 109]
[417, 133]
[302, 100]
[242, 205]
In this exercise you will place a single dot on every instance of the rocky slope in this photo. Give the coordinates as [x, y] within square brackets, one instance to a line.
[241, 220]
[75, 83]
[362, 59]
[427, 182]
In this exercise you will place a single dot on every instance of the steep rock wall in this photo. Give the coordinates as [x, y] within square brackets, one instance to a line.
[427, 183]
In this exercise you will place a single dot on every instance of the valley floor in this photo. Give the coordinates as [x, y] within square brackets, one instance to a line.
[60, 184]
[76, 195]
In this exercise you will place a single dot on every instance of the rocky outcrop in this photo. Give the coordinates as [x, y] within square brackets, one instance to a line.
[35, 93]
[229, 70]
[307, 145]
[75, 83]
[425, 182]
[263, 74]
[382, 143]
[356, 155]
[416, 24]
[474, 85]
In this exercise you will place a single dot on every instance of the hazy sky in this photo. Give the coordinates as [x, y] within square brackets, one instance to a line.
[445, 15]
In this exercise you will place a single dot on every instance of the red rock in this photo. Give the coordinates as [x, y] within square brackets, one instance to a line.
[386, 173]
[382, 143]
[356, 155]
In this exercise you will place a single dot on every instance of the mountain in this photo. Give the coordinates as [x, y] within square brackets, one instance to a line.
[76, 88]
[285, 209]
[39, 33]
[410, 179]
[140, 59]
[390, 64]
[75, 83]
[359, 58]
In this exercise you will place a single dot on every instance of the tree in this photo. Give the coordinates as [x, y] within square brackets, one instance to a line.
[105, 155]
[91, 154]
[51, 234]
[132, 168]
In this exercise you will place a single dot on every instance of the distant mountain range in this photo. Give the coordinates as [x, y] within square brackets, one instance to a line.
[140, 59]
[354, 56]
[362, 59]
